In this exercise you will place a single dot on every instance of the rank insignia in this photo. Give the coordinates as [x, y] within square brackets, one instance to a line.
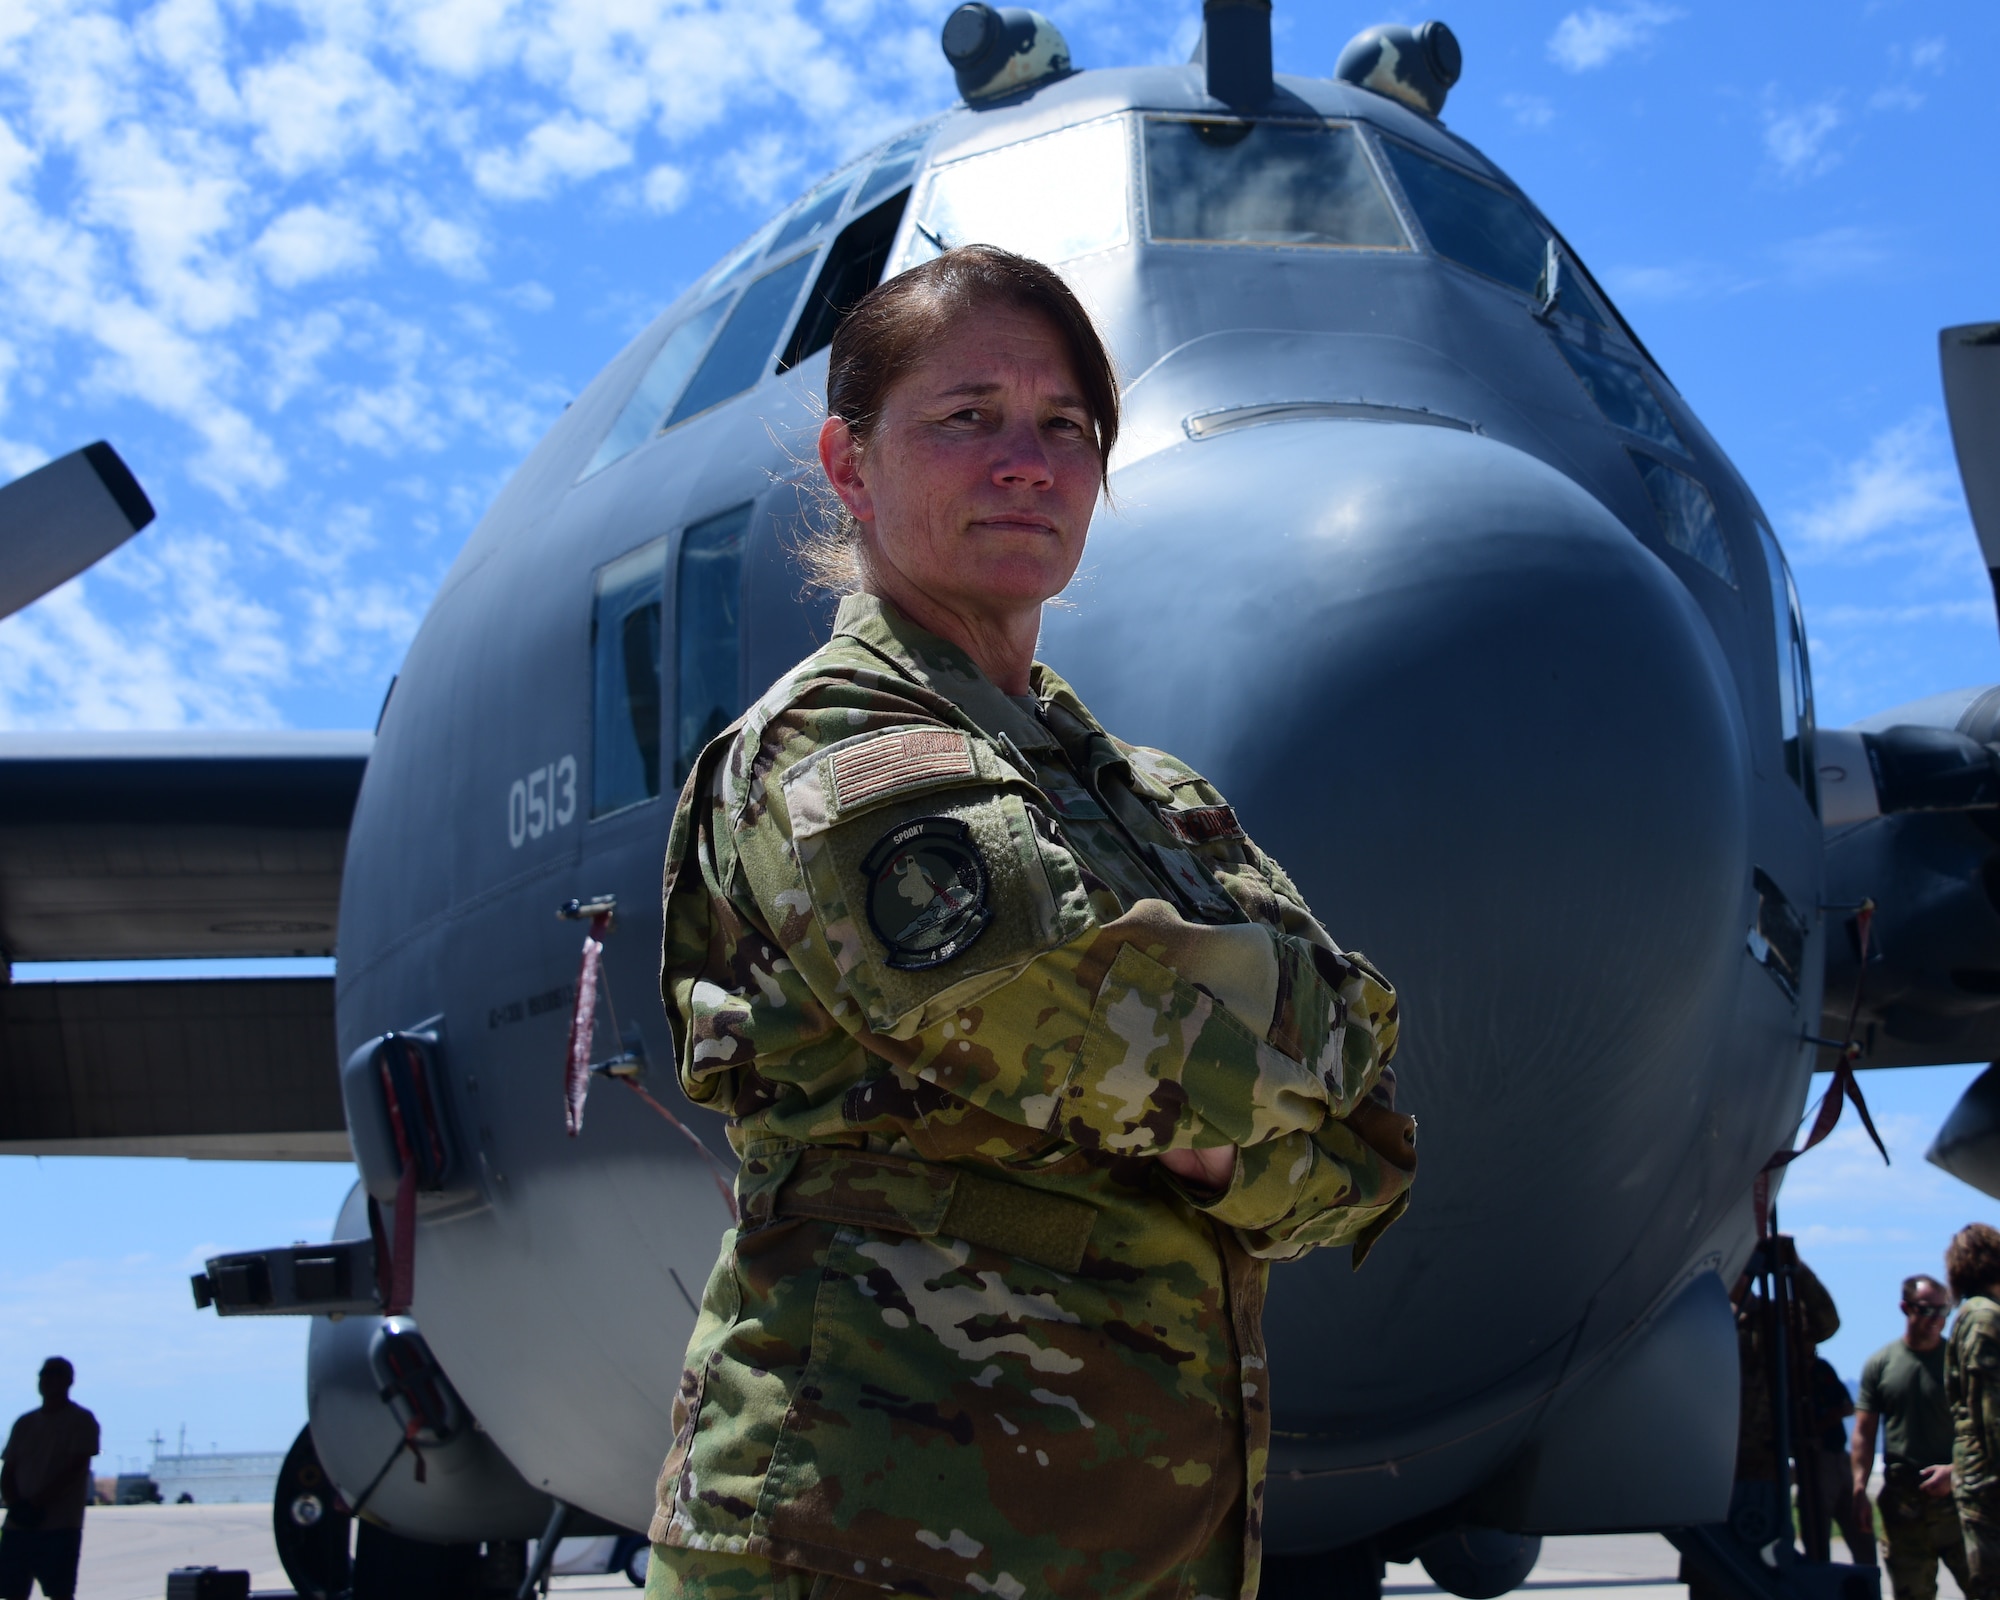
[927, 892]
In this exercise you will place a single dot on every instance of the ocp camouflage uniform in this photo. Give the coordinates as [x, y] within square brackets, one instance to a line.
[959, 967]
[1972, 1385]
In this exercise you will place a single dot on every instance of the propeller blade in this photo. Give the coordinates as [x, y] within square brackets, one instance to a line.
[1968, 1145]
[62, 517]
[1970, 357]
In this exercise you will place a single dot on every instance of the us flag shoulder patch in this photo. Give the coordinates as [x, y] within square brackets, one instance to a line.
[897, 761]
[1203, 824]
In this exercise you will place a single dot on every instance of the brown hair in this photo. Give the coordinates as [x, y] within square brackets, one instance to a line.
[889, 332]
[1915, 1282]
[1972, 1260]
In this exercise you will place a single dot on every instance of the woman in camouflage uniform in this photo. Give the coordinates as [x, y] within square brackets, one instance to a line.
[1972, 1387]
[1033, 1060]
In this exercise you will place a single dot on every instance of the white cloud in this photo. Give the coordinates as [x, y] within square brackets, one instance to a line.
[1796, 139]
[664, 188]
[174, 203]
[18, 458]
[1905, 482]
[563, 148]
[529, 296]
[322, 104]
[1589, 38]
[1924, 58]
[309, 242]
[1833, 253]
[294, 353]
[456, 247]
[1529, 110]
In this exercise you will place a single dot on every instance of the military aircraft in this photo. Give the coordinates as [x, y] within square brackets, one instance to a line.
[1412, 548]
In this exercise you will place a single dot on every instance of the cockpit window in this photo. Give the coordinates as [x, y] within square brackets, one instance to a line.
[1622, 394]
[708, 633]
[1054, 198]
[625, 654]
[1481, 227]
[660, 387]
[895, 164]
[742, 351]
[1264, 183]
[1795, 696]
[1687, 515]
[816, 210]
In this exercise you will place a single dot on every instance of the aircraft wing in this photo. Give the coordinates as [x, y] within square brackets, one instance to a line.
[172, 845]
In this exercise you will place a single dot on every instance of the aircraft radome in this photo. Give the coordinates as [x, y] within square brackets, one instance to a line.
[1439, 579]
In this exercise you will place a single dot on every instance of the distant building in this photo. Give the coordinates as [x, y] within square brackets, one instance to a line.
[225, 1478]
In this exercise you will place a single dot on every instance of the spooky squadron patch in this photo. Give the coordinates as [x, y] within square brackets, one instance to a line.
[927, 892]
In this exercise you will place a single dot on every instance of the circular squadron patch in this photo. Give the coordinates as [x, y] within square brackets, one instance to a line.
[927, 896]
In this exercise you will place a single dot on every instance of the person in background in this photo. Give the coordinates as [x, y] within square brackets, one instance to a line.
[1972, 1387]
[1831, 1405]
[45, 1481]
[1902, 1387]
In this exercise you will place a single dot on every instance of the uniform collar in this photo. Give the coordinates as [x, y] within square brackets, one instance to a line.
[943, 668]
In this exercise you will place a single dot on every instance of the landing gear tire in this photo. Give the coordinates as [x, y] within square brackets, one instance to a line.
[1480, 1563]
[633, 1556]
[310, 1524]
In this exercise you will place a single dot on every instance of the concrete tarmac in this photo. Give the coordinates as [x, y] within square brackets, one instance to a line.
[128, 1550]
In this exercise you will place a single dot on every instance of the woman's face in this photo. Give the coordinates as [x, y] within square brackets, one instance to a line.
[977, 487]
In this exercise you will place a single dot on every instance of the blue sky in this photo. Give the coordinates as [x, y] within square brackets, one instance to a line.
[323, 270]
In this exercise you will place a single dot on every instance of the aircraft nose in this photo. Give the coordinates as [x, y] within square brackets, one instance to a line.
[1496, 743]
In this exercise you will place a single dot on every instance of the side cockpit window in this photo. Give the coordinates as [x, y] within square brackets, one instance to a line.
[631, 651]
[1270, 183]
[742, 351]
[1054, 197]
[698, 367]
[625, 623]
[708, 633]
[1623, 394]
[660, 387]
[853, 267]
[1687, 514]
[1795, 696]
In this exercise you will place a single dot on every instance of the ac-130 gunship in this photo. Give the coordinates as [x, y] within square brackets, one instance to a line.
[1415, 552]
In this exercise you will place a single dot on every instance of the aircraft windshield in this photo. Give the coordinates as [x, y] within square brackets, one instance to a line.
[1264, 183]
[1053, 198]
[1481, 227]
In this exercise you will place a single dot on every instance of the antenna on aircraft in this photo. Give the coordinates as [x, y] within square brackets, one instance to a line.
[1235, 51]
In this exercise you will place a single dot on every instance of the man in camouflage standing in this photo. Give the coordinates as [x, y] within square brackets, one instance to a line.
[1972, 1385]
[1902, 1386]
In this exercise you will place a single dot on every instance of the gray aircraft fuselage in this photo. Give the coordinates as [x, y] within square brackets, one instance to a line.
[1384, 557]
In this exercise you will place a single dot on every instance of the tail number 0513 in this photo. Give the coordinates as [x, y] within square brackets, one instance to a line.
[542, 801]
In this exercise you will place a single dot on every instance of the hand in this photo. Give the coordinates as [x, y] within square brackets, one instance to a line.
[1203, 1169]
[1936, 1481]
[1864, 1516]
